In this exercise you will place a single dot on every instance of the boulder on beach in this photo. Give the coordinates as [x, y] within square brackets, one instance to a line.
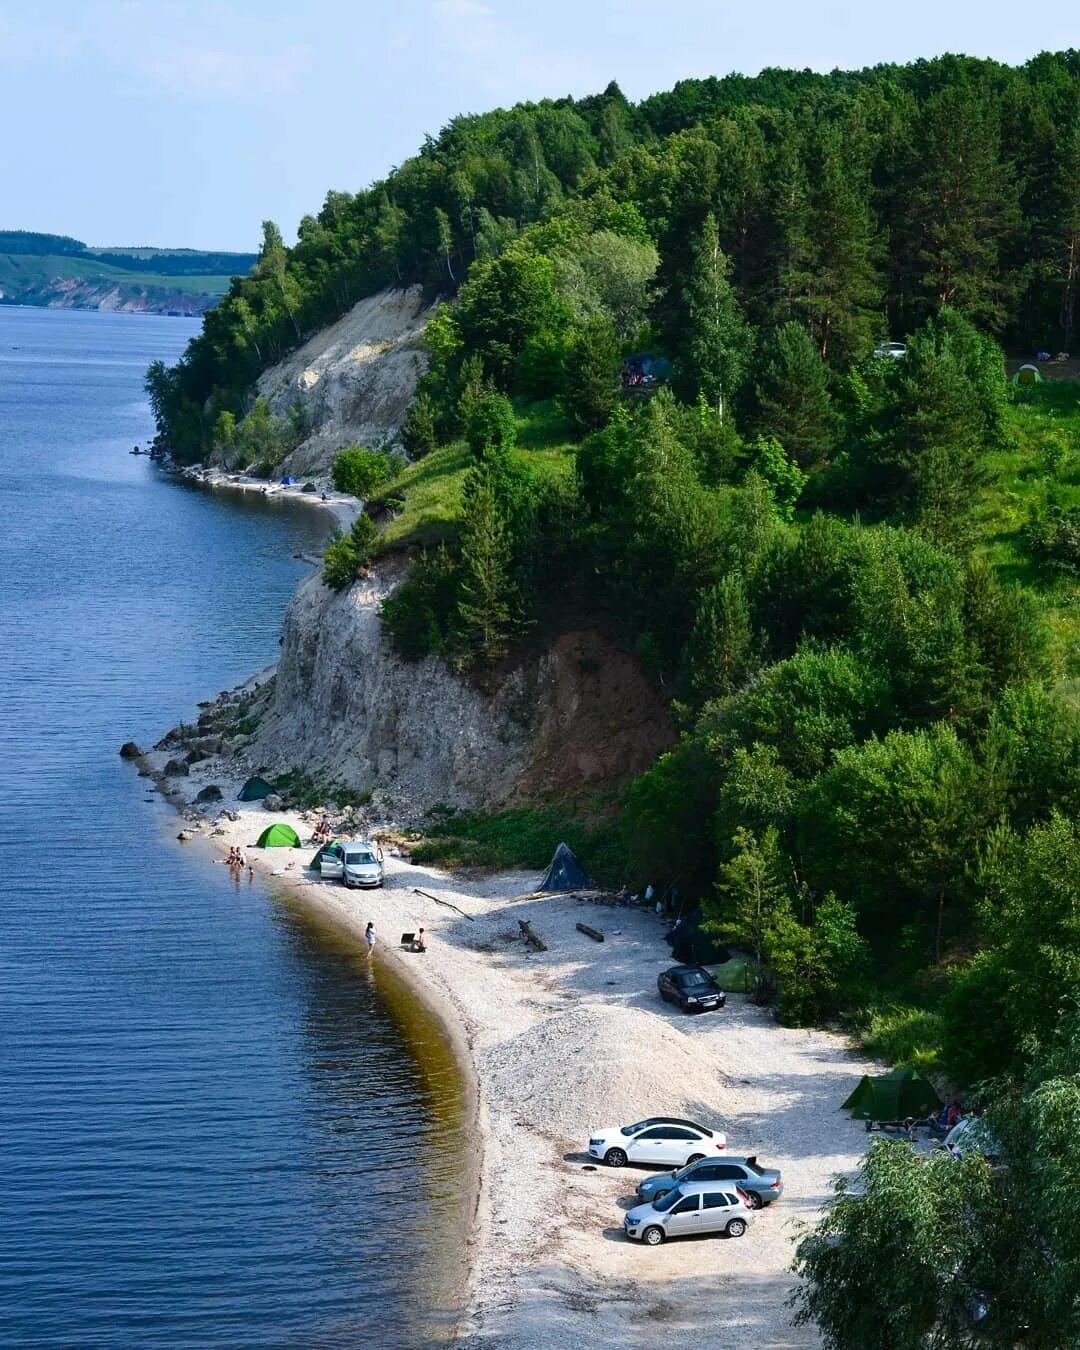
[212, 793]
[176, 768]
[273, 802]
[129, 750]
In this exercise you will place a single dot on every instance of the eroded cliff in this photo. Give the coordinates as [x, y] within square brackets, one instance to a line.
[576, 717]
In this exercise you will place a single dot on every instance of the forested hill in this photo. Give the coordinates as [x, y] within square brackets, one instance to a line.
[653, 407]
[854, 203]
[59, 271]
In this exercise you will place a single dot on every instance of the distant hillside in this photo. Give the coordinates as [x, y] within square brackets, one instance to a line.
[60, 272]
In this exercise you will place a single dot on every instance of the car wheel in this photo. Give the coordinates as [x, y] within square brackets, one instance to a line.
[663, 996]
[694, 1157]
[653, 1236]
[736, 1228]
[754, 1200]
[656, 1195]
[615, 1157]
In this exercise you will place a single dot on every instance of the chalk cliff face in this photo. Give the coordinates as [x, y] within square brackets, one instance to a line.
[579, 716]
[355, 380]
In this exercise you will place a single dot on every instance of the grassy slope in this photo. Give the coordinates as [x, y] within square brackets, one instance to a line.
[33, 272]
[1019, 482]
[431, 486]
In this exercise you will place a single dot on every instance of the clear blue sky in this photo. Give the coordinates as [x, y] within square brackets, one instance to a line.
[186, 122]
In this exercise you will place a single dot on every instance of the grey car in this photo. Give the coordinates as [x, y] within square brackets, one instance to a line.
[762, 1185]
[691, 1208]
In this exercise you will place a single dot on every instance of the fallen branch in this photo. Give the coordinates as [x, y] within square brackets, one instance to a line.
[428, 896]
[530, 937]
[590, 932]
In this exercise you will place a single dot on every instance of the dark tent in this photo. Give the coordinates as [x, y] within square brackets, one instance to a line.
[278, 836]
[893, 1096]
[691, 945]
[333, 847]
[254, 790]
[565, 872]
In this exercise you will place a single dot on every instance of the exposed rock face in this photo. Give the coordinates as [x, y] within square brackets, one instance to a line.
[580, 716]
[354, 380]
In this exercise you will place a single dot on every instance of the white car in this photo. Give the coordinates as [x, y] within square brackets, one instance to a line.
[362, 866]
[895, 351]
[660, 1141]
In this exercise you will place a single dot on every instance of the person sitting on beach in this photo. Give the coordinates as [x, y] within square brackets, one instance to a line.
[418, 943]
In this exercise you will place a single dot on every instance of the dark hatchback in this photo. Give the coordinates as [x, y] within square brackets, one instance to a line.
[692, 988]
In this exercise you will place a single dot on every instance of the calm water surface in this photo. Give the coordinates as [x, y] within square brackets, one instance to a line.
[215, 1129]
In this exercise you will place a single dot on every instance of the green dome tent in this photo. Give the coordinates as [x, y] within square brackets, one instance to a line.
[254, 790]
[332, 846]
[1028, 374]
[278, 836]
[893, 1096]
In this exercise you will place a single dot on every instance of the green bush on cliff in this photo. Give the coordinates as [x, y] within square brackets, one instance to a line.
[347, 554]
[360, 472]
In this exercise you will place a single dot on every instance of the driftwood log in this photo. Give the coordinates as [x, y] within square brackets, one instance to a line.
[590, 932]
[428, 896]
[530, 937]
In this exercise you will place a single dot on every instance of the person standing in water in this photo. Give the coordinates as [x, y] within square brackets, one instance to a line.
[369, 938]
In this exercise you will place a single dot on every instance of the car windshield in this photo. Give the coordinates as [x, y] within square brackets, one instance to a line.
[360, 856]
[695, 977]
[666, 1201]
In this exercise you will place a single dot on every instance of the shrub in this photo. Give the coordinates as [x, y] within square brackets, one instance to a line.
[417, 616]
[1053, 533]
[491, 426]
[360, 472]
[419, 435]
[348, 553]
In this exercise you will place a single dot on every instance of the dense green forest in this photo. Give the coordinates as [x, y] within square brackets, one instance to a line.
[852, 576]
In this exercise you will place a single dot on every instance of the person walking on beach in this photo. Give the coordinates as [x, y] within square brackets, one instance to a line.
[369, 938]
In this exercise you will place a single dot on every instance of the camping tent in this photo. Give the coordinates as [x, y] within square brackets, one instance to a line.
[254, 790]
[332, 846]
[288, 480]
[1028, 374]
[565, 872]
[892, 1096]
[278, 836]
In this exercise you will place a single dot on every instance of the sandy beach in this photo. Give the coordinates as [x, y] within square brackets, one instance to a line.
[556, 1043]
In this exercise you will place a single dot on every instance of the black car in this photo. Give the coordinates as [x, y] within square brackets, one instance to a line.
[691, 987]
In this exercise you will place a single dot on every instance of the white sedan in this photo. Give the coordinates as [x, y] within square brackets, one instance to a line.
[660, 1141]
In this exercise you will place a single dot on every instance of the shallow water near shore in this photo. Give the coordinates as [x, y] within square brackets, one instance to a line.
[220, 1127]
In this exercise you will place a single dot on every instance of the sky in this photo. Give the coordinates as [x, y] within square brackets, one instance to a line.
[185, 123]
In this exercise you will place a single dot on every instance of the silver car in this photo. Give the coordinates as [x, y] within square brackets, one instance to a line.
[362, 865]
[692, 1207]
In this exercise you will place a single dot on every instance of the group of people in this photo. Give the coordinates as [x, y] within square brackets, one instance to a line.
[236, 860]
[323, 832]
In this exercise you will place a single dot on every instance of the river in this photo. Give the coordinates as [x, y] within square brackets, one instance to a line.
[218, 1126]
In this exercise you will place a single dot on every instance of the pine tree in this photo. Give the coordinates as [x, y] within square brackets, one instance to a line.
[960, 206]
[723, 648]
[793, 396]
[485, 609]
[719, 341]
[591, 388]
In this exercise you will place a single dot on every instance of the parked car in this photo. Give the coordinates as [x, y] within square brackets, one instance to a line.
[971, 1135]
[894, 351]
[659, 1140]
[691, 987]
[332, 861]
[363, 865]
[691, 1208]
[762, 1185]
